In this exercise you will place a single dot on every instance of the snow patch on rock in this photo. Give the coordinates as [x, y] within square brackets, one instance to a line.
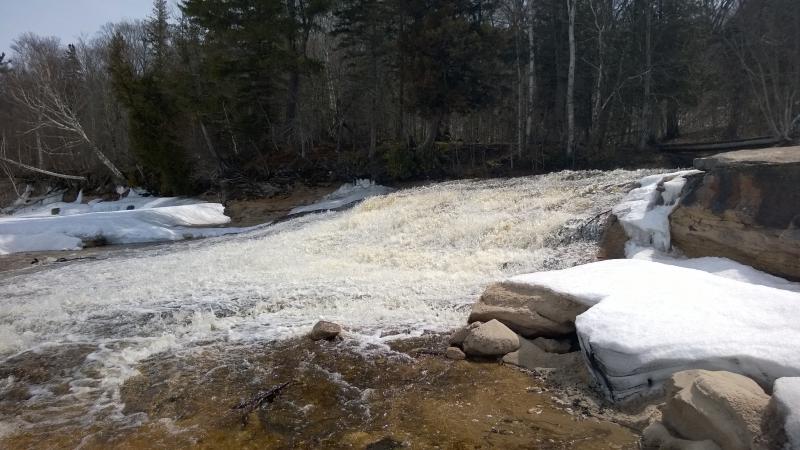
[113, 223]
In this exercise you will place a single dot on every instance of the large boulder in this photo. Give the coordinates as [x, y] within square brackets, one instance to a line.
[490, 339]
[529, 310]
[746, 207]
[724, 407]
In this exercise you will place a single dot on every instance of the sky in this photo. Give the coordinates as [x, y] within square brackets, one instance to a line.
[66, 19]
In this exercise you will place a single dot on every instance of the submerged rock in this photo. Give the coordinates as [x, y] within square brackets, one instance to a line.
[724, 407]
[531, 311]
[491, 339]
[746, 208]
[325, 330]
[455, 353]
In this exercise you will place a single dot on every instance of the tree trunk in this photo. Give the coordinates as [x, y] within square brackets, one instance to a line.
[531, 81]
[571, 6]
[673, 129]
[520, 97]
[432, 132]
[645, 122]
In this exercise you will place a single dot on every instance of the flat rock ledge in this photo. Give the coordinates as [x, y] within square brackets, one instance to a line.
[529, 311]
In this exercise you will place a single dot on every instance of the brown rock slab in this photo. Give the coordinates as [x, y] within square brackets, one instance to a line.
[724, 407]
[746, 208]
[528, 310]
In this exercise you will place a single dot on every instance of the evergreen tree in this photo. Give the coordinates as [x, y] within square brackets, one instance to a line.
[451, 57]
[153, 113]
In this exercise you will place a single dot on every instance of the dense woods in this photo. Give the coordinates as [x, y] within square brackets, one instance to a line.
[226, 96]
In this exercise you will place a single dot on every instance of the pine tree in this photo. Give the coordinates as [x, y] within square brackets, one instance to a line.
[451, 54]
[153, 112]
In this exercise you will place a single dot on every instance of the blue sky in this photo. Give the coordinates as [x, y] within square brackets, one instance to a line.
[66, 19]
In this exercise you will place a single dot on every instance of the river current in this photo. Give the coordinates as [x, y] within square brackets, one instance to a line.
[400, 265]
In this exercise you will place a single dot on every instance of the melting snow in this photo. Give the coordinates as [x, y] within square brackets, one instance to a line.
[650, 320]
[134, 219]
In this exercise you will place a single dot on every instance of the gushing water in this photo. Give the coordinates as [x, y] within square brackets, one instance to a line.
[406, 262]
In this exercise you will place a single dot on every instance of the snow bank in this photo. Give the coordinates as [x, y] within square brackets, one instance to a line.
[644, 212]
[134, 200]
[650, 320]
[786, 394]
[346, 195]
[36, 233]
[723, 267]
[51, 224]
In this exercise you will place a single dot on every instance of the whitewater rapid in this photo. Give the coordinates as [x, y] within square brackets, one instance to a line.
[407, 262]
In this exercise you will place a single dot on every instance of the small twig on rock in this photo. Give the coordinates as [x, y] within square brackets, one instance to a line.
[264, 397]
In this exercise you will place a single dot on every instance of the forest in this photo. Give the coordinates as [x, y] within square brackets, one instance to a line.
[238, 96]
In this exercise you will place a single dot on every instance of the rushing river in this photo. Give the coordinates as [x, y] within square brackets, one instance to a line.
[394, 266]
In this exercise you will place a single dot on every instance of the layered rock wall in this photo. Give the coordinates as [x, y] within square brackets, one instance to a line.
[746, 207]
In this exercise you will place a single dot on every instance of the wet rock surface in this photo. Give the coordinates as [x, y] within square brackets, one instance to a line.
[746, 207]
[339, 397]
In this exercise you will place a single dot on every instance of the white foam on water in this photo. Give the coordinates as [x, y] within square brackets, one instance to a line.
[412, 260]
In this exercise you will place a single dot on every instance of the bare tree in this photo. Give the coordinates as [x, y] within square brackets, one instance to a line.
[531, 76]
[571, 7]
[645, 119]
[43, 93]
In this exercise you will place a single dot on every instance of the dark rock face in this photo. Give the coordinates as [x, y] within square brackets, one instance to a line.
[746, 207]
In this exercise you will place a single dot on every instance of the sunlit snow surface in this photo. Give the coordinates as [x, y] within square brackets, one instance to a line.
[412, 260]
